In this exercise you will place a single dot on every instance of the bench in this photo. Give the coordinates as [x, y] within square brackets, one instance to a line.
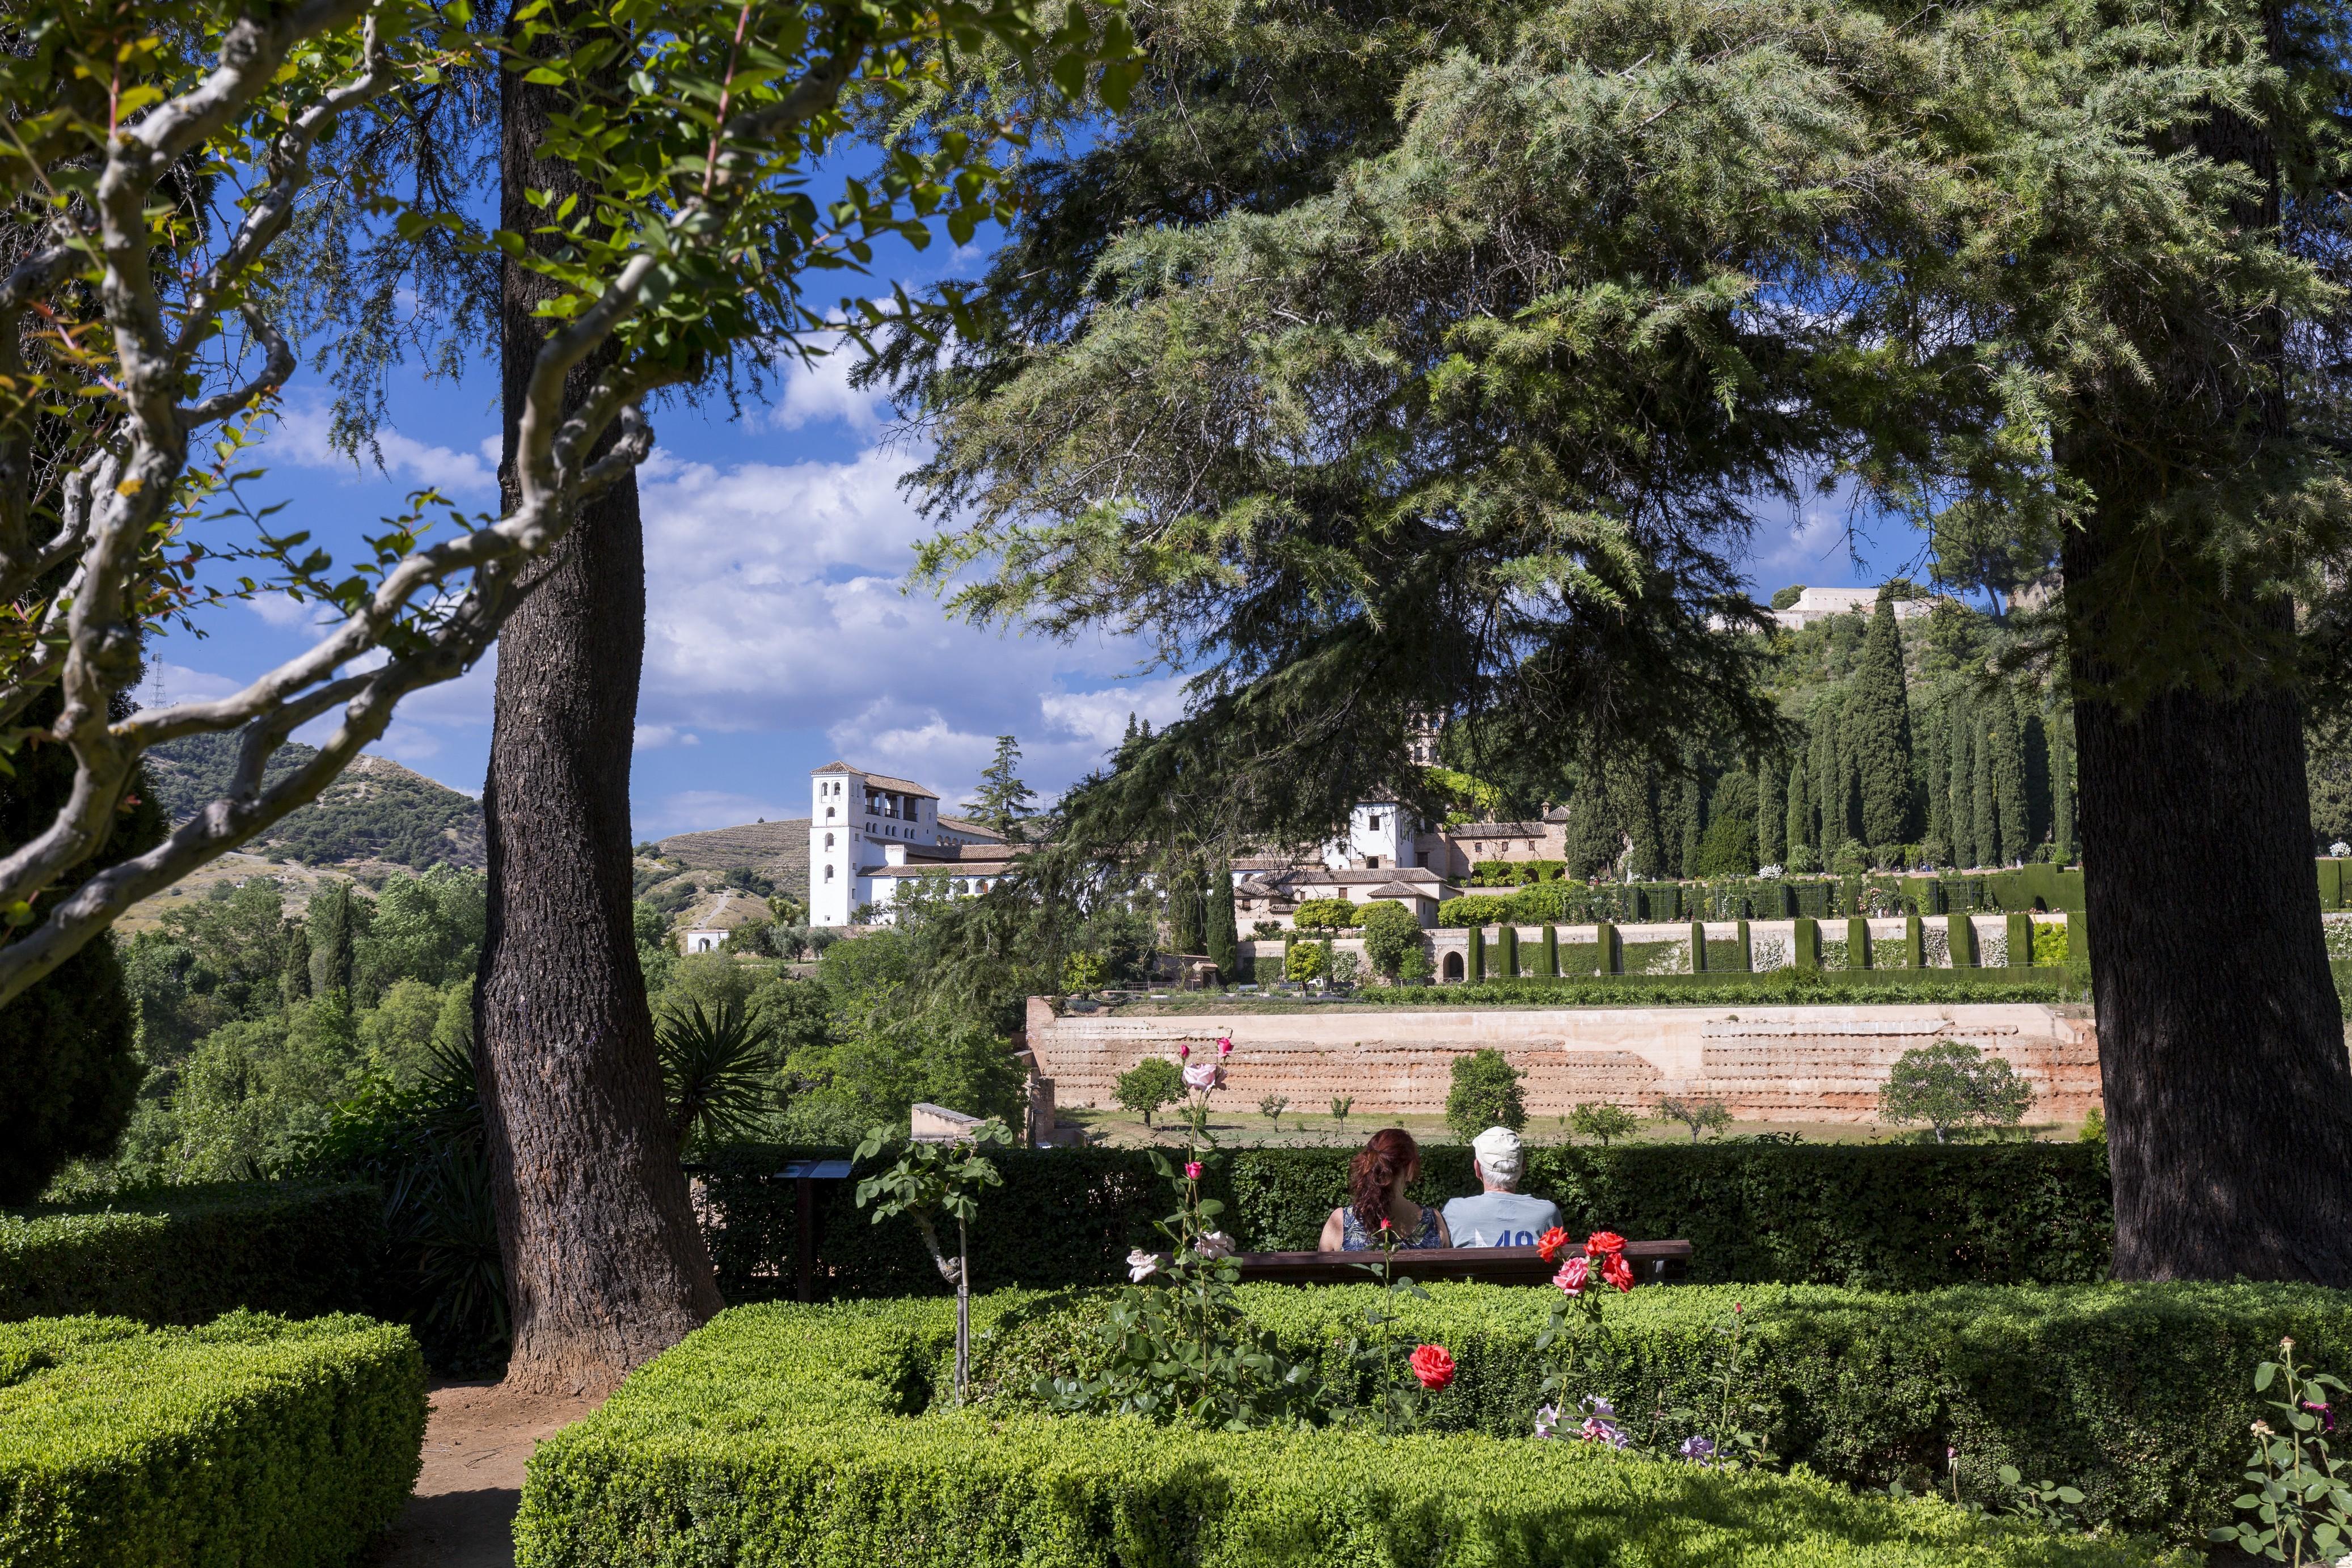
[1655, 1264]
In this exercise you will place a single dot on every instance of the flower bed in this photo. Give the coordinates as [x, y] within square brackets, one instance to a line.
[251, 1440]
[2139, 1394]
[786, 1434]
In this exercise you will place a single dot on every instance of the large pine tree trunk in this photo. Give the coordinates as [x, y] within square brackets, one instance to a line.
[605, 1265]
[2221, 1050]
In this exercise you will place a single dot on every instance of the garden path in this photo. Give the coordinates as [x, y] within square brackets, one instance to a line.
[476, 1441]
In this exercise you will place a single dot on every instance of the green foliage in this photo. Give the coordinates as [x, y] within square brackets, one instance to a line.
[1148, 1085]
[1602, 1121]
[2049, 943]
[1728, 848]
[69, 1073]
[251, 1439]
[1326, 915]
[718, 1071]
[1003, 804]
[1303, 962]
[2302, 1494]
[1473, 909]
[1083, 971]
[1700, 1115]
[825, 1421]
[1485, 1093]
[1953, 1087]
[1879, 730]
[1390, 933]
[1905, 1216]
[1225, 939]
[185, 1255]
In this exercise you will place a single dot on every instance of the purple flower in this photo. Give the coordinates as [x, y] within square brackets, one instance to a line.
[1546, 1417]
[1701, 1450]
[2327, 1417]
[1601, 1423]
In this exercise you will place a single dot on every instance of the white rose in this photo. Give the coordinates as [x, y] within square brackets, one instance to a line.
[1215, 1244]
[1141, 1265]
[1201, 1075]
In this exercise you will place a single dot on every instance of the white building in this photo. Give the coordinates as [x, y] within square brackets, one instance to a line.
[868, 830]
[1821, 603]
[1379, 833]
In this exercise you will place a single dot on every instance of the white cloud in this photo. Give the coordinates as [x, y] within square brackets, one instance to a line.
[649, 737]
[168, 682]
[774, 603]
[301, 438]
[820, 393]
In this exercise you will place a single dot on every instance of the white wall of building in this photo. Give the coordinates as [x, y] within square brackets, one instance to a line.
[858, 820]
[1379, 834]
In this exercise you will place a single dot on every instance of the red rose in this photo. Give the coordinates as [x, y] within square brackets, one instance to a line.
[1617, 1271]
[1601, 1242]
[1550, 1243]
[1433, 1366]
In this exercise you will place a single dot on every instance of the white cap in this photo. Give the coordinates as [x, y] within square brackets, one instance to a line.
[1498, 1149]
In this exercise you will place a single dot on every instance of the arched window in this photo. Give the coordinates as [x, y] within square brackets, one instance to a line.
[828, 841]
[828, 813]
[1453, 965]
[829, 873]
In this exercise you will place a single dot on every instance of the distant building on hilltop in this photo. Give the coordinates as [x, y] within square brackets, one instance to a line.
[1819, 603]
[869, 832]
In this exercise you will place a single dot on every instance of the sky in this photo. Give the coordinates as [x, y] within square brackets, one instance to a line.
[779, 636]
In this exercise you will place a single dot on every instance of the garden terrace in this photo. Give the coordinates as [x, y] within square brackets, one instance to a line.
[819, 1434]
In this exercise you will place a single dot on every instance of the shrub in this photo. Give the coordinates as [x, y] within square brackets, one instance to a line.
[251, 1440]
[1473, 910]
[1148, 1085]
[1326, 915]
[2138, 1393]
[1391, 931]
[1951, 1086]
[1602, 1121]
[1303, 962]
[1700, 1115]
[1485, 1093]
[187, 1255]
[1904, 1217]
[818, 1425]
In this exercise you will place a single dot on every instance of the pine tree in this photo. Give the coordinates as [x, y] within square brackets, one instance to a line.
[1983, 800]
[1881, 732]
[1772, 814]
[2009, 779]
[1001, 803]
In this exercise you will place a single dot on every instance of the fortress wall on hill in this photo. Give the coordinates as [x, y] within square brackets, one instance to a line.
[1767, 1063]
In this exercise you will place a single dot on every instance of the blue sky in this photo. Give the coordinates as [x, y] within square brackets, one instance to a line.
[778, 636]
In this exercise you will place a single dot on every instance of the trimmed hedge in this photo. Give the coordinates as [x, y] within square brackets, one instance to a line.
[1903, 1217]
[252, 1440]
[801, 1435]
[185, 1255]
[2139, 1394]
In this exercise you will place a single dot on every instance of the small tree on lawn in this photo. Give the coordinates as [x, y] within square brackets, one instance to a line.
[1602, 1121]
[1485, 1093]
[931, 1181]
[1148, 1085]
[1390, 932]
[1951, 1086]
[1701, 1117]
[1304, 962]
[1342, 1105]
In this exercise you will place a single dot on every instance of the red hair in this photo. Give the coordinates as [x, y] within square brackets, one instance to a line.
[1387, 1156]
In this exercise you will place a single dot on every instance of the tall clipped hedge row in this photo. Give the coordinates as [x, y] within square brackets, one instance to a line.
[1881, 1216]
[2139, 1394]
[185, 1255]
[813, 1432]
[251, 1440]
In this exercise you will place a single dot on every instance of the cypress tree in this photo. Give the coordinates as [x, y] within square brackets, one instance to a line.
[1828, 808]
[1771, 815]
[2035, 731]
[1592, 839]
[1938, 784]
[1982, 799]
[1187, 933]
[1798, 825]
[294, 975]
[1693, 814]
[2009, 779]
[1881, 732]
[1224, 940]
[332, 939]
[2062, 783]
[1960, 763]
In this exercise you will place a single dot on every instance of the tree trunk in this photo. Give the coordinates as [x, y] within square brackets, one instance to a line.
[605, 1265]
[2221, 1046]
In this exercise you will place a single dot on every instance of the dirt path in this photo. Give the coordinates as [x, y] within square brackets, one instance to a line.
[476, 1441]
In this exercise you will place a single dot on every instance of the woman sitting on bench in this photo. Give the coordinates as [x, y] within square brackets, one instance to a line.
[1376, 1185]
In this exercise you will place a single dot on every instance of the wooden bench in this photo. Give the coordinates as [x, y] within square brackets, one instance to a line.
[1655, 1264]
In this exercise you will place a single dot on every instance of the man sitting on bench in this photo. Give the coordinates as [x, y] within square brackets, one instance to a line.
[1500, 1216]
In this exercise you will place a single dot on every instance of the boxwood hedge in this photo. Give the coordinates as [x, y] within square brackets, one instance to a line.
[811, 1434]
[185, 1255]
[1904, 1217]
[251, 1440]
[2140, 1394]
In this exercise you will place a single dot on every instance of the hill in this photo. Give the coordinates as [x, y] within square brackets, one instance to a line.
[778, 850]
[377, 811]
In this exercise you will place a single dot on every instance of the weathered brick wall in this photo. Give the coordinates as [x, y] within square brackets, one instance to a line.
[1775, 1064]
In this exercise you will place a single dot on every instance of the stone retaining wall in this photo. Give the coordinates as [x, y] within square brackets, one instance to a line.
[1767, 1063]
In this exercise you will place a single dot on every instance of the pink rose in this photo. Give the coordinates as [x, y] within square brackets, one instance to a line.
[1202, 1076]
[1224, 1045]
[1570, 1278]
[1183, 1053]
[1192, 1170]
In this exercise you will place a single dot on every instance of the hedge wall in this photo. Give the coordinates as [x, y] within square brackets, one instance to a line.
[2140, 1394]
[252, 1440]
[185, 1255]
[1905, 1216]
[2029, 887]
[809, 1435]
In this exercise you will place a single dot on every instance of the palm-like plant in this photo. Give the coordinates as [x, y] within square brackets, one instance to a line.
[718, 1068]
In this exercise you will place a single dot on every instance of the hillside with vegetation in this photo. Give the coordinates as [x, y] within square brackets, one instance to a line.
[378, 812]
